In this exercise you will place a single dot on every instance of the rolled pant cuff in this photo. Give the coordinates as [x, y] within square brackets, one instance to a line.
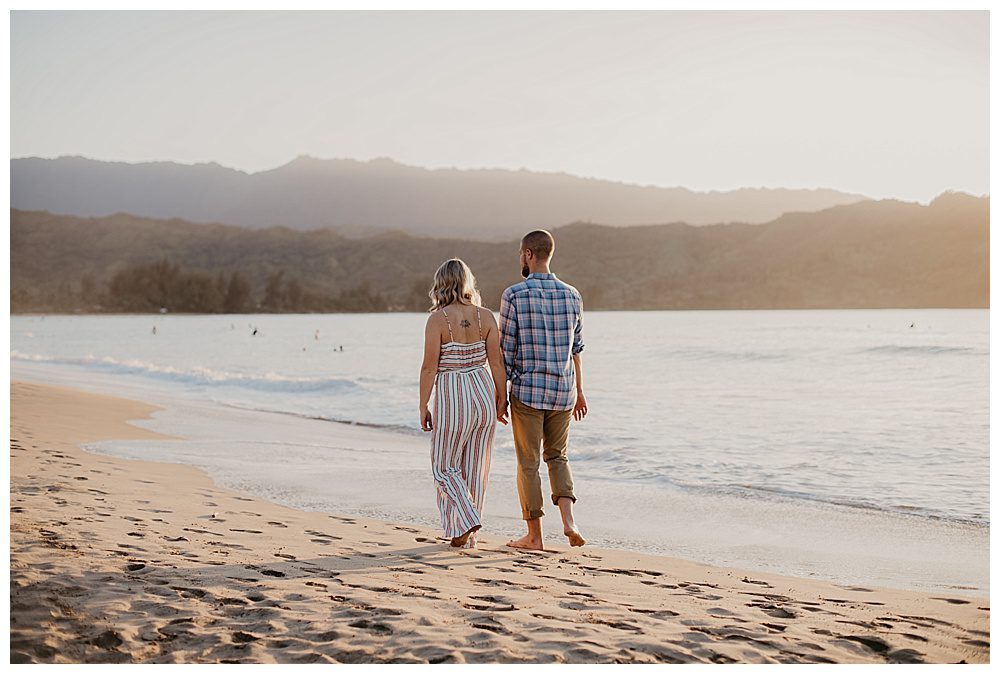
[532, 514]
[556, 497]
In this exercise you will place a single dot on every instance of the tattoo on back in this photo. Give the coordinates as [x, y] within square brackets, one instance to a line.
[465, 323]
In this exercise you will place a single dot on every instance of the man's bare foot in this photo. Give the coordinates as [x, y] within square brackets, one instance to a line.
[576, 539]
[459, 541]
[526, 543]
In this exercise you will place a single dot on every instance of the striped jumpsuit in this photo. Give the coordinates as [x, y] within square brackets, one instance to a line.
[462, 435]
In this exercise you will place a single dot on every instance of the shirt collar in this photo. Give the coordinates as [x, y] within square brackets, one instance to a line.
[539, 274]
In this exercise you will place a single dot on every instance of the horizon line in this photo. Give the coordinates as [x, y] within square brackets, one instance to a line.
[384, 158]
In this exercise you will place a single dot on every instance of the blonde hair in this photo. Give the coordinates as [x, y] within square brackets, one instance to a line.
[453, 282]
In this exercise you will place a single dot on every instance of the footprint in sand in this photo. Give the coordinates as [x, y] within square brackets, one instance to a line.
[490, 625]
[243, 637]
[488, 607]
[266, 572]
[108, 640]
[406, 569]
[373, 627]
[189, 592]
[425, 588]
[874, 643]
[617, 624]
[202, 531]
[659, 614]
[328, 635]
[951, 600]
[719, 611]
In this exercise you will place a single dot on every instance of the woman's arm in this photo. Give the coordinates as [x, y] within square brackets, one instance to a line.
[496, 366]
[428, 370]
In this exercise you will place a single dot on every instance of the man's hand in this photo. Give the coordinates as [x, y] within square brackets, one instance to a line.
[580, 409]
[502, 411]
[425, 420]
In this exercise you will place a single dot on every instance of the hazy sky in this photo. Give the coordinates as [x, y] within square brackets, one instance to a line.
[889, 104]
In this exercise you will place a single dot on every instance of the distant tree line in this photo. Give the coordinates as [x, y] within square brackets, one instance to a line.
[866, 255]
[165, 284]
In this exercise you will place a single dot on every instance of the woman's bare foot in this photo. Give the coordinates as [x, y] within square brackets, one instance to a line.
[459, 541]
[526, 542]
[576, 539]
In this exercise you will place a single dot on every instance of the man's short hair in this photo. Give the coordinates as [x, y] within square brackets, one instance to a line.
[540, 243]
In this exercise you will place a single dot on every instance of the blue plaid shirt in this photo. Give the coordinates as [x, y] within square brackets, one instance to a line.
[541, 327]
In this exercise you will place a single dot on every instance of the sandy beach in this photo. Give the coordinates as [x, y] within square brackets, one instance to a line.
[116, 560]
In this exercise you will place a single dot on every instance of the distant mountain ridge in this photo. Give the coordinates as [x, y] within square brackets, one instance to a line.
[872, 254]
[362, 197]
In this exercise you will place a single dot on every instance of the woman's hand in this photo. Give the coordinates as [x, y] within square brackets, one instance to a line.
[425, 419]
[502, 410]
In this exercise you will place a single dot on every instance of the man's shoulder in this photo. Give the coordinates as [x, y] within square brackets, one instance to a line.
[552, 283]
[515, 289]
[570, 289]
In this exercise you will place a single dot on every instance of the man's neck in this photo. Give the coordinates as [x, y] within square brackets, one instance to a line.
[540, 269]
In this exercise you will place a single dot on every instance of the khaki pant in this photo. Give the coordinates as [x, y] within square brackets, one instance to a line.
[533, 429]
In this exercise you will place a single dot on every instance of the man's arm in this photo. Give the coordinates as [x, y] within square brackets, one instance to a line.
[508, 332]
[580, 409]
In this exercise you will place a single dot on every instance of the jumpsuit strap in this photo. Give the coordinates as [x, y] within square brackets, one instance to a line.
[449, 324]
[480, 324]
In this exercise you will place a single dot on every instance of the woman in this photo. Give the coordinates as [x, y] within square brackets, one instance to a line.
[459, 339]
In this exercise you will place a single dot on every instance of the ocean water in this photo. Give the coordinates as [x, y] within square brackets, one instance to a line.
[850, 414]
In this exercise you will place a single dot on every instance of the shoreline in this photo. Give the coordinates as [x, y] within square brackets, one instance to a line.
[325, 471]
[122, 560]
[914, 514]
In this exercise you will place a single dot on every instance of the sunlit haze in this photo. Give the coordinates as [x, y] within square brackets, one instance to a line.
[887, 104]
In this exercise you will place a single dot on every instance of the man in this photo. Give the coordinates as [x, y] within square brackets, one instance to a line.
[541, 335]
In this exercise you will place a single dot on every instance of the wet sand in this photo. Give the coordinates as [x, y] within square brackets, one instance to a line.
[116, 560]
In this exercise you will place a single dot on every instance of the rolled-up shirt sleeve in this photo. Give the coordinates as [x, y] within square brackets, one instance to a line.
[578, 331]
[508, 332]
